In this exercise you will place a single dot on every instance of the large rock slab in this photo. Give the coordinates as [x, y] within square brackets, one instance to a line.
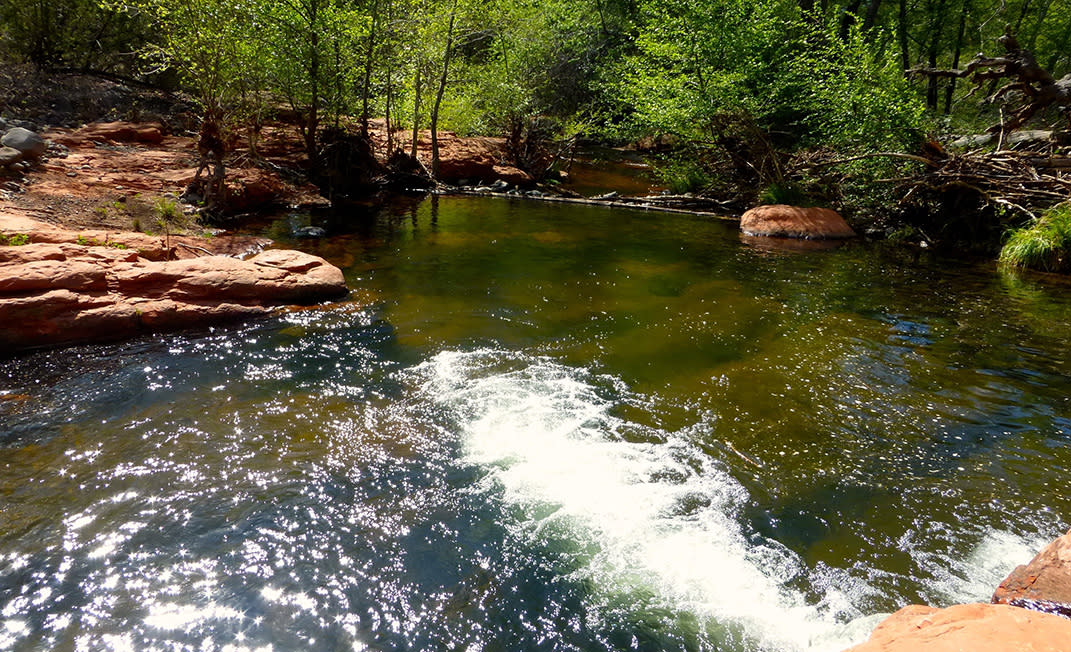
[782, 221]
[116, 132]
[969, 628]
[1044, 584]
[70, 288]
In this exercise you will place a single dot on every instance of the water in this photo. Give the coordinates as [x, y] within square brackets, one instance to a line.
[542, 427]
[596, 170]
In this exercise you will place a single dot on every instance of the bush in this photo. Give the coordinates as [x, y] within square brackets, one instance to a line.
[1044, 245]
[682, 175]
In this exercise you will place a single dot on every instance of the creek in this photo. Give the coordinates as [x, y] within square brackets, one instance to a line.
[543, 427]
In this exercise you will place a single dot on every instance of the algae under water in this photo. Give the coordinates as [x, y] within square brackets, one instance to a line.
[543, 427]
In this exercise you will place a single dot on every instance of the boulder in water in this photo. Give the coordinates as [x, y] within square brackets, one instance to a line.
[782, 221]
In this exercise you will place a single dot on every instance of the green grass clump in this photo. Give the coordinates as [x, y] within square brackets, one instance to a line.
[1045, 245]
[15, 239]
[785, 192]
[682, 176]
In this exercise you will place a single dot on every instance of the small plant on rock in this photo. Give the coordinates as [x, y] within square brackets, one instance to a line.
[14, 240]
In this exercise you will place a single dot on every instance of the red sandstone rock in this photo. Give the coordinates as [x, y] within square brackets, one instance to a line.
[779, 220]
[116, 132]
[74, 288]
[1046, 579]
[969, 628]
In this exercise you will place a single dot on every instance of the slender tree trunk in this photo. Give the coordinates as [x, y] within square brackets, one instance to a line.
[937, 23]
[1032, 42]
[960, 34]
[390, 80]
[602, 17]
[871, 18]
[416, 114]
[338, 82]
[439, 94]
[312, 120]
[847, 18]
[366, 86]
[905, 55]
[390, 131]
[1022, 14]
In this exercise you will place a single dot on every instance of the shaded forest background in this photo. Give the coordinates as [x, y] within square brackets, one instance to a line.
[742, 100]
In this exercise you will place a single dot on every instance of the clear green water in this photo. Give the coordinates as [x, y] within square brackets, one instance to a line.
[543, 427]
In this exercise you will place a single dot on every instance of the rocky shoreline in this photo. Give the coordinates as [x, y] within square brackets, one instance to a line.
[60, 286]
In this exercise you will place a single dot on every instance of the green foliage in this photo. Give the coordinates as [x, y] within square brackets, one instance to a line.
[78, 33]
[167, 210]
[1044, 245]
[785, 192]
[697, 62]
[852, 98]
[682, 174]
[14, 239]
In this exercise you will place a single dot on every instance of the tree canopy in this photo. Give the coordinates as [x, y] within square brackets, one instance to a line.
[800, 73]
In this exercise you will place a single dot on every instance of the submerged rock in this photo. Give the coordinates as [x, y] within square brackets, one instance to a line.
[989, 627]
[782, 221]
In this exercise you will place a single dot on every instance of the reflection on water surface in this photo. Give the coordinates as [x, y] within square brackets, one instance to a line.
[543, 427]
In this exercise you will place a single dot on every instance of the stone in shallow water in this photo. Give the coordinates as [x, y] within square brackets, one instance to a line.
[782, 221]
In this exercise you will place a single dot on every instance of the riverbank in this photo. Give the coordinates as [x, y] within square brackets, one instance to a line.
[99, 239]
[61, 286]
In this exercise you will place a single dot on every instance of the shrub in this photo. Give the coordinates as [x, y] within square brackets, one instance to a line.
[682, 175]
[1045, 245]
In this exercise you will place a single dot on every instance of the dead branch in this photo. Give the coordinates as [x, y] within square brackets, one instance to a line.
[1035, 86]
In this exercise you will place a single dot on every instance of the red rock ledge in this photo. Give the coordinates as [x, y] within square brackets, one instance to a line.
[65, 287]
[1030, 615]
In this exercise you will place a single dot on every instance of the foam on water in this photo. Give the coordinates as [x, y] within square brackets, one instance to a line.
[658, 513]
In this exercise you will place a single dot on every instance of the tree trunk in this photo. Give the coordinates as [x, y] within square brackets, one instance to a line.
[871, 15]
[905, 55]
[366, 86]
[312, 119]
[847, 18]
[937, 23]
[1031, 44]
[439, 94]
[416, 114]
[951, 90]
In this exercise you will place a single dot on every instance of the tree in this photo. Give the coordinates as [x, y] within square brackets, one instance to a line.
[81, 34]
[205, 41]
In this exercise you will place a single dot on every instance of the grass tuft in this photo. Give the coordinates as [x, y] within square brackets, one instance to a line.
[1045, 245]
